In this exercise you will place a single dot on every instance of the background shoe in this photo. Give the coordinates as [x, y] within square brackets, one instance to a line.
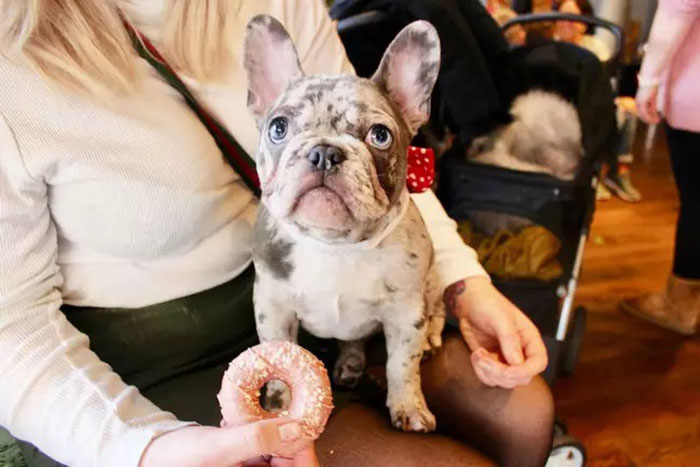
[677, 308]
[602, 193]
[621, 186]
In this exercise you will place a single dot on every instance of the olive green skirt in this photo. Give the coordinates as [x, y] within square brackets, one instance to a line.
[176, 352]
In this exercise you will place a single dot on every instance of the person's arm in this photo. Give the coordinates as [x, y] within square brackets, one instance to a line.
[454, 259]
[507, 349]
[671, 25]
[55, 392]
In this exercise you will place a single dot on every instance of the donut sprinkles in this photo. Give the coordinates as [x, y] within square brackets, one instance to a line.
[305, 375]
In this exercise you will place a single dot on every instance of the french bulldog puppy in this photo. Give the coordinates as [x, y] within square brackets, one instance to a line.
[340, 248]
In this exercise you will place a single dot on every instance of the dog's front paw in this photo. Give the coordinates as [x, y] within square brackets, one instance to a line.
[433, 339]
[412, 417]
[348, 369]
[275, 396]
[432, 344]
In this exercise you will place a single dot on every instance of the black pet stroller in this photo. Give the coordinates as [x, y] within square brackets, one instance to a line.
[564, 208]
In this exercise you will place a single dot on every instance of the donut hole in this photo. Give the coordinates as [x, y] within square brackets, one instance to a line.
[276, 396]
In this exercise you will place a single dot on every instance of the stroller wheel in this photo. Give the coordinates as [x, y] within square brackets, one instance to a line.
[567, 451]
[573, 342]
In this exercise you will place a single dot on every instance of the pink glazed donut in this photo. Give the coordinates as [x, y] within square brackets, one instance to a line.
[311, 401]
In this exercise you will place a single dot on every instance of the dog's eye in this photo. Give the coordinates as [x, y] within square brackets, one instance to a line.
[278, 129]
[379, 136]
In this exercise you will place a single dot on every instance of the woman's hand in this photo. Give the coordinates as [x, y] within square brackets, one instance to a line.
[507, 349]
[646, 104]
[241, 446]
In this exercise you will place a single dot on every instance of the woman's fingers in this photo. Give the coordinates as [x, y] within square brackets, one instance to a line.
[507, 335]
[535, 352]
[509, 340]
[205, 445]
[483, 371]
[492, 372]
[265, 437]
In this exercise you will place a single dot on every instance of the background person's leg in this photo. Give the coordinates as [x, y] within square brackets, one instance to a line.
[684, 148]
[678, 307]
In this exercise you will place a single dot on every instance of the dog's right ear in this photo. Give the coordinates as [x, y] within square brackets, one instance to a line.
[271, 62]
[408, 71]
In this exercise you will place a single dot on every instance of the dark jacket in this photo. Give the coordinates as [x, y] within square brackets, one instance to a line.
[480, 75]
[473, 48]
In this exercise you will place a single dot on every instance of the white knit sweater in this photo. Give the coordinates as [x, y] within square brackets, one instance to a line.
[127, 206]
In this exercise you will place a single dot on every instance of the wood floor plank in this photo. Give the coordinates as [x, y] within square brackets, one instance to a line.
[634, 399]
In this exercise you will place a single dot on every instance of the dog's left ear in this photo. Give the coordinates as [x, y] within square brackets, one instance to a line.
[408, 71]
[271, 62]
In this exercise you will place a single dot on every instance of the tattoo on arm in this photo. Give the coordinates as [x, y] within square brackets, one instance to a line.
[451, 294]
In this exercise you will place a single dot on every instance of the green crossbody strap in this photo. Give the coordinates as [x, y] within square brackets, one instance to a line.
[234, 154]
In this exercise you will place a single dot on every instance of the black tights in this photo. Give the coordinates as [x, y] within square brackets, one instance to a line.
[512, 427]
[684, 147]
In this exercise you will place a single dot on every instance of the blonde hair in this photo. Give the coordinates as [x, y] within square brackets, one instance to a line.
[83, 44]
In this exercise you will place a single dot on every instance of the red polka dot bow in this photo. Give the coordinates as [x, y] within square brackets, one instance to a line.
[421, 169]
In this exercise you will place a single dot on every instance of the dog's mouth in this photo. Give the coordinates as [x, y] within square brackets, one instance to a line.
[320, 206]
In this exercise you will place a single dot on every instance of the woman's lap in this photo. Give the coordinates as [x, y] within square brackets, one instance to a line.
[508, 425]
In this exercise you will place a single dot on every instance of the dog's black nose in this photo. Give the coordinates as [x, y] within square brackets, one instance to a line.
[325, 157]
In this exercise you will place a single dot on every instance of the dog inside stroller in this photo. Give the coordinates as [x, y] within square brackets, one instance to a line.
[529, 228]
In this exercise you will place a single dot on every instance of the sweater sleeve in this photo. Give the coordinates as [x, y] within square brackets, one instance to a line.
[671, 25]
[453, 258]
[321, 51]
[685, 6]
[54, 391]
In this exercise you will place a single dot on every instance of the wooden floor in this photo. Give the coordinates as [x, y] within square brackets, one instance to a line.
[634, 399]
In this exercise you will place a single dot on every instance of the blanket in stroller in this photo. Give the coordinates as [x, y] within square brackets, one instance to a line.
[530, 253]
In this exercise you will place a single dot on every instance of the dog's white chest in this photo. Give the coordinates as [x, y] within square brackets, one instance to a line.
[335, 316]
[339, 294]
